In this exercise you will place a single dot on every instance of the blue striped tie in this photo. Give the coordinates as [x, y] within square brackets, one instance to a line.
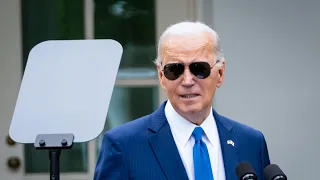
[201, 159]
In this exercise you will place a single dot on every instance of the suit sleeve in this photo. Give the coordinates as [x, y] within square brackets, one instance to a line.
[265, 161]
[110, 164]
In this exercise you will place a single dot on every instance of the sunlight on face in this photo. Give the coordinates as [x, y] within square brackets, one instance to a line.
[187, 47]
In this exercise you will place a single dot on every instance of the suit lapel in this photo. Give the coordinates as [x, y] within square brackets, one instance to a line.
[228, 142]
[166, 151]
[164, 147]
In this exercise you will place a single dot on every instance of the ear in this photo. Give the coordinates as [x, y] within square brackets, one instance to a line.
[161, 76]
[221, 71]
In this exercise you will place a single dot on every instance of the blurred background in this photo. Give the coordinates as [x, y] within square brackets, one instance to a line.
[272, 78]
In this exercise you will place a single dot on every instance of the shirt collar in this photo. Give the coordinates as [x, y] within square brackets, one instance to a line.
[183, 129]
[209, 127]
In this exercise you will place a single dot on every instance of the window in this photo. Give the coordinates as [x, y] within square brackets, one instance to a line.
[132, 23]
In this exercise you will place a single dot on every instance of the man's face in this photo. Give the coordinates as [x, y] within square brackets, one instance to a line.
[189, 94]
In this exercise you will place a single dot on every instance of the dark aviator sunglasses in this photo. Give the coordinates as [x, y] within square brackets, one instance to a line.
[173, 71]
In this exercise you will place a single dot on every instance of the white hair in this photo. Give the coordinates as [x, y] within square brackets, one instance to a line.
[188, 28]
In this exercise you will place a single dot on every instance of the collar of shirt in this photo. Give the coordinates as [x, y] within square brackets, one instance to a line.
[183, 128]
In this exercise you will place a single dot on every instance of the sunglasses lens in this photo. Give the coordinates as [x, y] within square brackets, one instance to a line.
[173, 71]
[200, 69]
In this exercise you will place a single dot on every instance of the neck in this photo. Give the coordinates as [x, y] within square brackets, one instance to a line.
[196, 118]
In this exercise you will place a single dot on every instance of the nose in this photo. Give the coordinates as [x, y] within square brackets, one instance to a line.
[188, 78]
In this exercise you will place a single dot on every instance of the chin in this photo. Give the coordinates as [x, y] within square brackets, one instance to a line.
[190, 108]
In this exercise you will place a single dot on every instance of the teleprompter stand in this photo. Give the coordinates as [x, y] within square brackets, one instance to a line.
[54, 143]
[65, 94]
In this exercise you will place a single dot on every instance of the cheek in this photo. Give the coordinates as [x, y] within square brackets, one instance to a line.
[170, 86]
[209, 88]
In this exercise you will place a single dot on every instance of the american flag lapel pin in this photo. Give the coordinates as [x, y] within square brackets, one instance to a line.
[230, 142]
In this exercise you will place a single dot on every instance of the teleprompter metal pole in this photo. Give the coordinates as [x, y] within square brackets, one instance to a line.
[55, 143]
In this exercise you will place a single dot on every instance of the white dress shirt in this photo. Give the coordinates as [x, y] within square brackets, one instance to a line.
[182, 134]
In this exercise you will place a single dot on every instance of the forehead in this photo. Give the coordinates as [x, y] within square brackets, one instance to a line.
[187, 47]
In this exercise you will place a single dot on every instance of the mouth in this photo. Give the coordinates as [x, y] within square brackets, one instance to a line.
[189, 96]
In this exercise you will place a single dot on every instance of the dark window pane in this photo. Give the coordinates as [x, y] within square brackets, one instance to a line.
[50, 20]
[128, 104]
[72, 160]
[132, 24]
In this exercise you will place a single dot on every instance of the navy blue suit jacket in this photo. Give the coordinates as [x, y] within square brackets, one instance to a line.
[144, 149]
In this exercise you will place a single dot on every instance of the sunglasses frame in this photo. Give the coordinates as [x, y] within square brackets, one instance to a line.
[197, 75]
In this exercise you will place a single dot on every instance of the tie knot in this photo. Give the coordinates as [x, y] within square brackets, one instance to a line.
[197, 133]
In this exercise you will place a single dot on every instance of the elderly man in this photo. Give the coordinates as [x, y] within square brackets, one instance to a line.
[184, 138]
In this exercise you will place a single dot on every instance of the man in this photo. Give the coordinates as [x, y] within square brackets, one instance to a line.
[184, 138]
